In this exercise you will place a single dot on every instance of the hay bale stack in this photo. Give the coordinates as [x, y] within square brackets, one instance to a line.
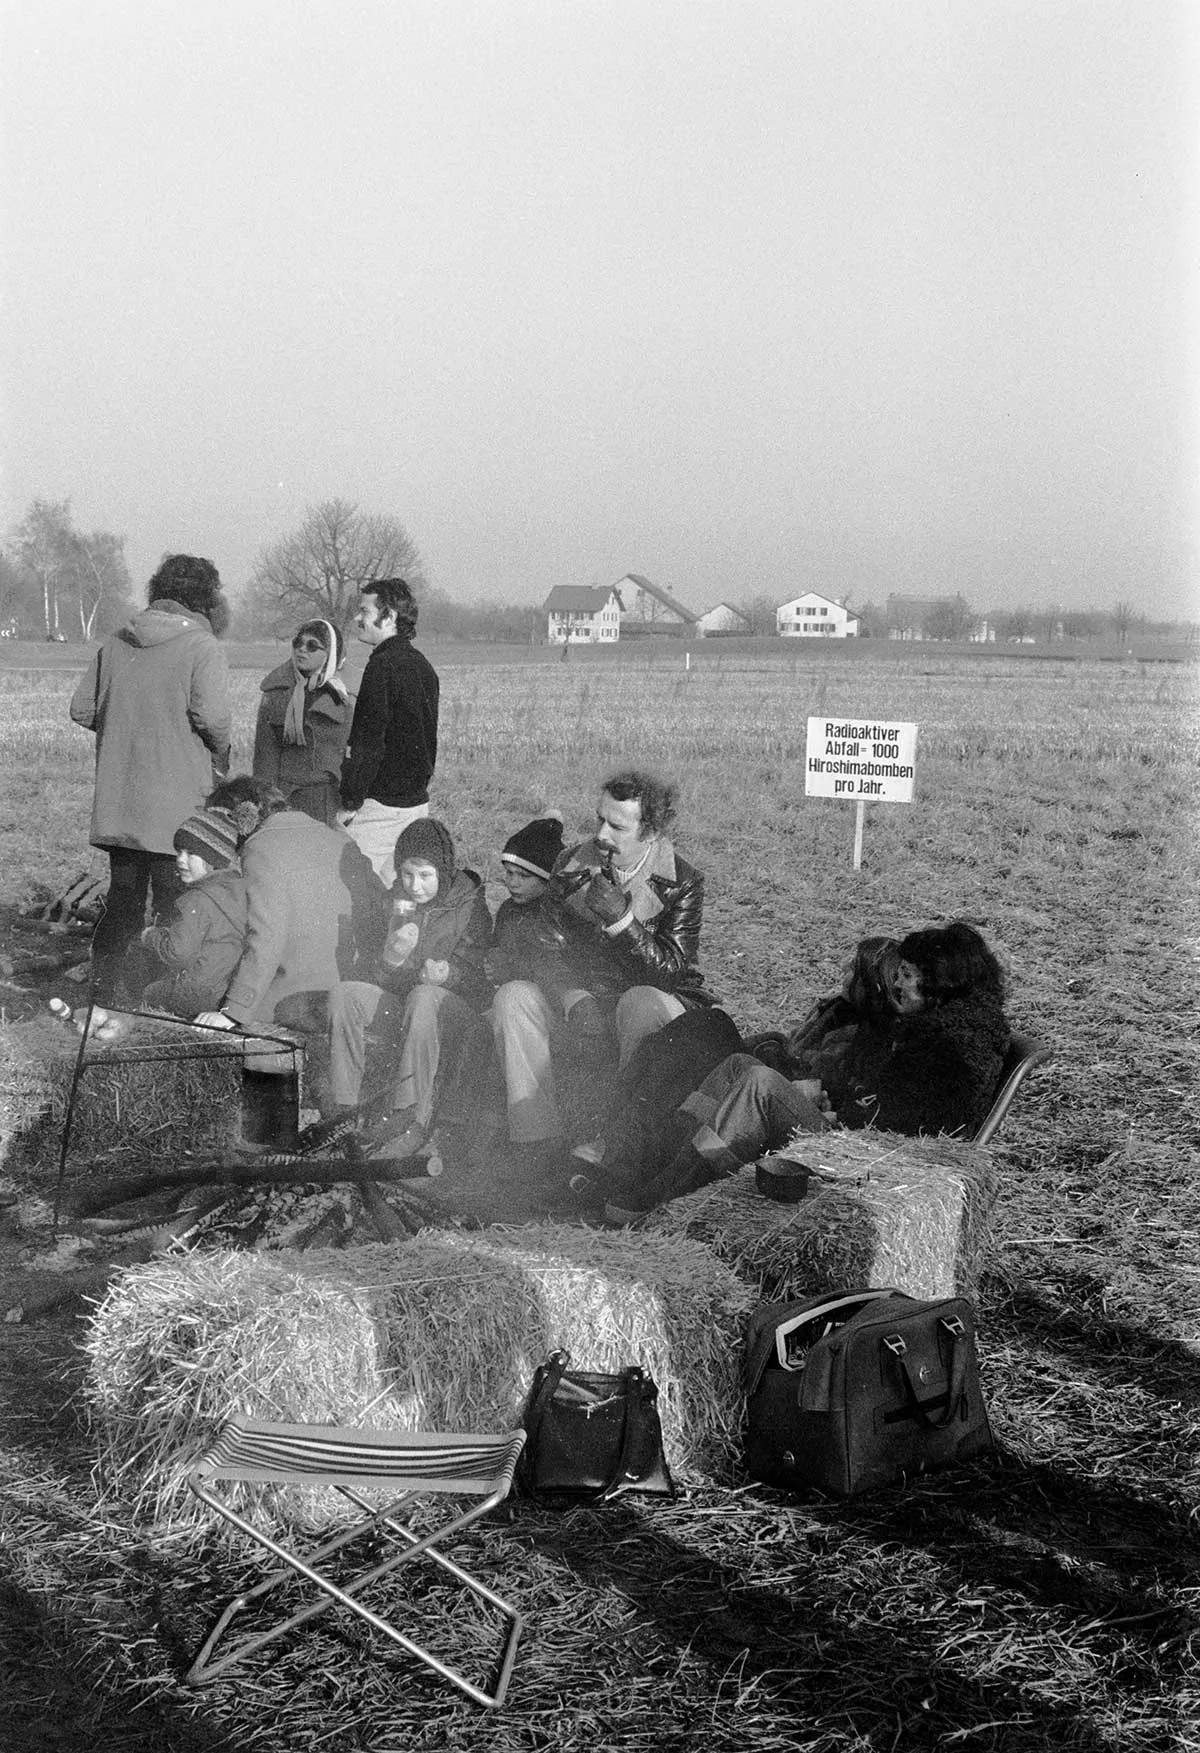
[181, 1342]
[909, 1212]
[443, 1332]
[466, 1317]
[158, 1090]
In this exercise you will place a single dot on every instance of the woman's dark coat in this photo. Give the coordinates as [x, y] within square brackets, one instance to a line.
[308, 775]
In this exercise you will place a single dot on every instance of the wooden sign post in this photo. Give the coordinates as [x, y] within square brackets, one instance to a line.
[862, 760]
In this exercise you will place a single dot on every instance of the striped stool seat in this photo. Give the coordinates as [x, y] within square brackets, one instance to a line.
[406, 1465]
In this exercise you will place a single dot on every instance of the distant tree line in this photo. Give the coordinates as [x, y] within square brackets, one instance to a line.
[72, 584]
[67, 582]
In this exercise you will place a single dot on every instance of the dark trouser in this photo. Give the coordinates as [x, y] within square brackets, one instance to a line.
[741, 1110]
[131, 876]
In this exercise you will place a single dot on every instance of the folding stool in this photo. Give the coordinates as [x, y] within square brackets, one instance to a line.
[408, 1465]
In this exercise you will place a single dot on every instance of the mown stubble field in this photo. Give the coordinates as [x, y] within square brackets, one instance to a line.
[1049, 1598]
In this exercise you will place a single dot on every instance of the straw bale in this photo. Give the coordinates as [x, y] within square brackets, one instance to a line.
[181, 1342]
[442, 1332]
[910, 1212]
[160, 1089]
[466, 1317]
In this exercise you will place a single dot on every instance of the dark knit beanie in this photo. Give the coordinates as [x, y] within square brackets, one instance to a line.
[431, 842]
[536, 847]
[210, 833]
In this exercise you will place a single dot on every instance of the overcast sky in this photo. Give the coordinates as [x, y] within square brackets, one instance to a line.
[868, 295]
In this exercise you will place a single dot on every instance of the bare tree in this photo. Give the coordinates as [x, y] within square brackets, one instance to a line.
[1121, 617]
[320, 568]
[949, 618]
[1018, 623]
[101, 578]
[43, 545]
[760, 613]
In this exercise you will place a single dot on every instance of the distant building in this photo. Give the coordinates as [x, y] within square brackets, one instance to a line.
[722, 618]
[582, 614]
[813, 616]
[648, 608]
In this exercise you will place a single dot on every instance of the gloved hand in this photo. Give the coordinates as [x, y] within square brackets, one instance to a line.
[606, 899]
[215, 1019]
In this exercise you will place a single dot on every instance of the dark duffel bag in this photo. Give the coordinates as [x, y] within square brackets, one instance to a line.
[853, 1390]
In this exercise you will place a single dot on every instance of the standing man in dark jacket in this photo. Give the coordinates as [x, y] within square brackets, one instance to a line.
[393, 735]
[156, 697]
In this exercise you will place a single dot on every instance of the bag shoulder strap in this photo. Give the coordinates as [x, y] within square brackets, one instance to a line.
[552, 1375]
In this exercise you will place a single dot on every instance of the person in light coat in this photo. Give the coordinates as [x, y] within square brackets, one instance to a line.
[156, 698]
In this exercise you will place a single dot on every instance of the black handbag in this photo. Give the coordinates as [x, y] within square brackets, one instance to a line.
[853, 1390]
[591, 1437]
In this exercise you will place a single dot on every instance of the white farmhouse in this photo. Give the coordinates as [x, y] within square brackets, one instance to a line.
[582, 614]
[813, 616]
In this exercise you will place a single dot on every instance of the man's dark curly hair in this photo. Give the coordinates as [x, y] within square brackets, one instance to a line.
[953, 960]
[249, 801]
[194, 584]
[657, 798]
[395, 597]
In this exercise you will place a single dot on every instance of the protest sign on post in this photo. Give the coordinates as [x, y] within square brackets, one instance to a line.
[860, 759]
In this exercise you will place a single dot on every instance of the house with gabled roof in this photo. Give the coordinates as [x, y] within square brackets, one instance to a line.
[648, 608]
[813, 616]
[582, 614]
[722, 618]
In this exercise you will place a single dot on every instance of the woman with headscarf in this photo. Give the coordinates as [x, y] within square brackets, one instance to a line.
[303, 723]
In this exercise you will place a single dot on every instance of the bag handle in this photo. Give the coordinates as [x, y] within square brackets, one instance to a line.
[958, 1375]
[822, 1311]
[556, 1363]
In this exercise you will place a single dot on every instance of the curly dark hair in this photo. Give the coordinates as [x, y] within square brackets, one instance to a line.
[249, 801]
[953, 960]
[194, 584]
[657, 798]
[395, 597]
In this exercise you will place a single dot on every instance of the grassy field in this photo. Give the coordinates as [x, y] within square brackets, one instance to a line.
[1049, 1598]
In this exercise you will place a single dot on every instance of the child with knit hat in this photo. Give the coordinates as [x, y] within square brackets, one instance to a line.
[526, 942]
[202, 942]
[428, 989]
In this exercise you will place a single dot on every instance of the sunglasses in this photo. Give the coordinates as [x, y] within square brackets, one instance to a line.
[308, 645]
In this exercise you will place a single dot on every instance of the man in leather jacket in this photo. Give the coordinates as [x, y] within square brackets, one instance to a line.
[625, 911]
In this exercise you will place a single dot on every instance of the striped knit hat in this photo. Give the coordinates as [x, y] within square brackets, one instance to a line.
[212, 834]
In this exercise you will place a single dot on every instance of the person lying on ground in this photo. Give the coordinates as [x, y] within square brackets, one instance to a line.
[203, 941]
[303, 723]
[428, 992]
[915, 1045]
[627, 910]
[313, 906]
